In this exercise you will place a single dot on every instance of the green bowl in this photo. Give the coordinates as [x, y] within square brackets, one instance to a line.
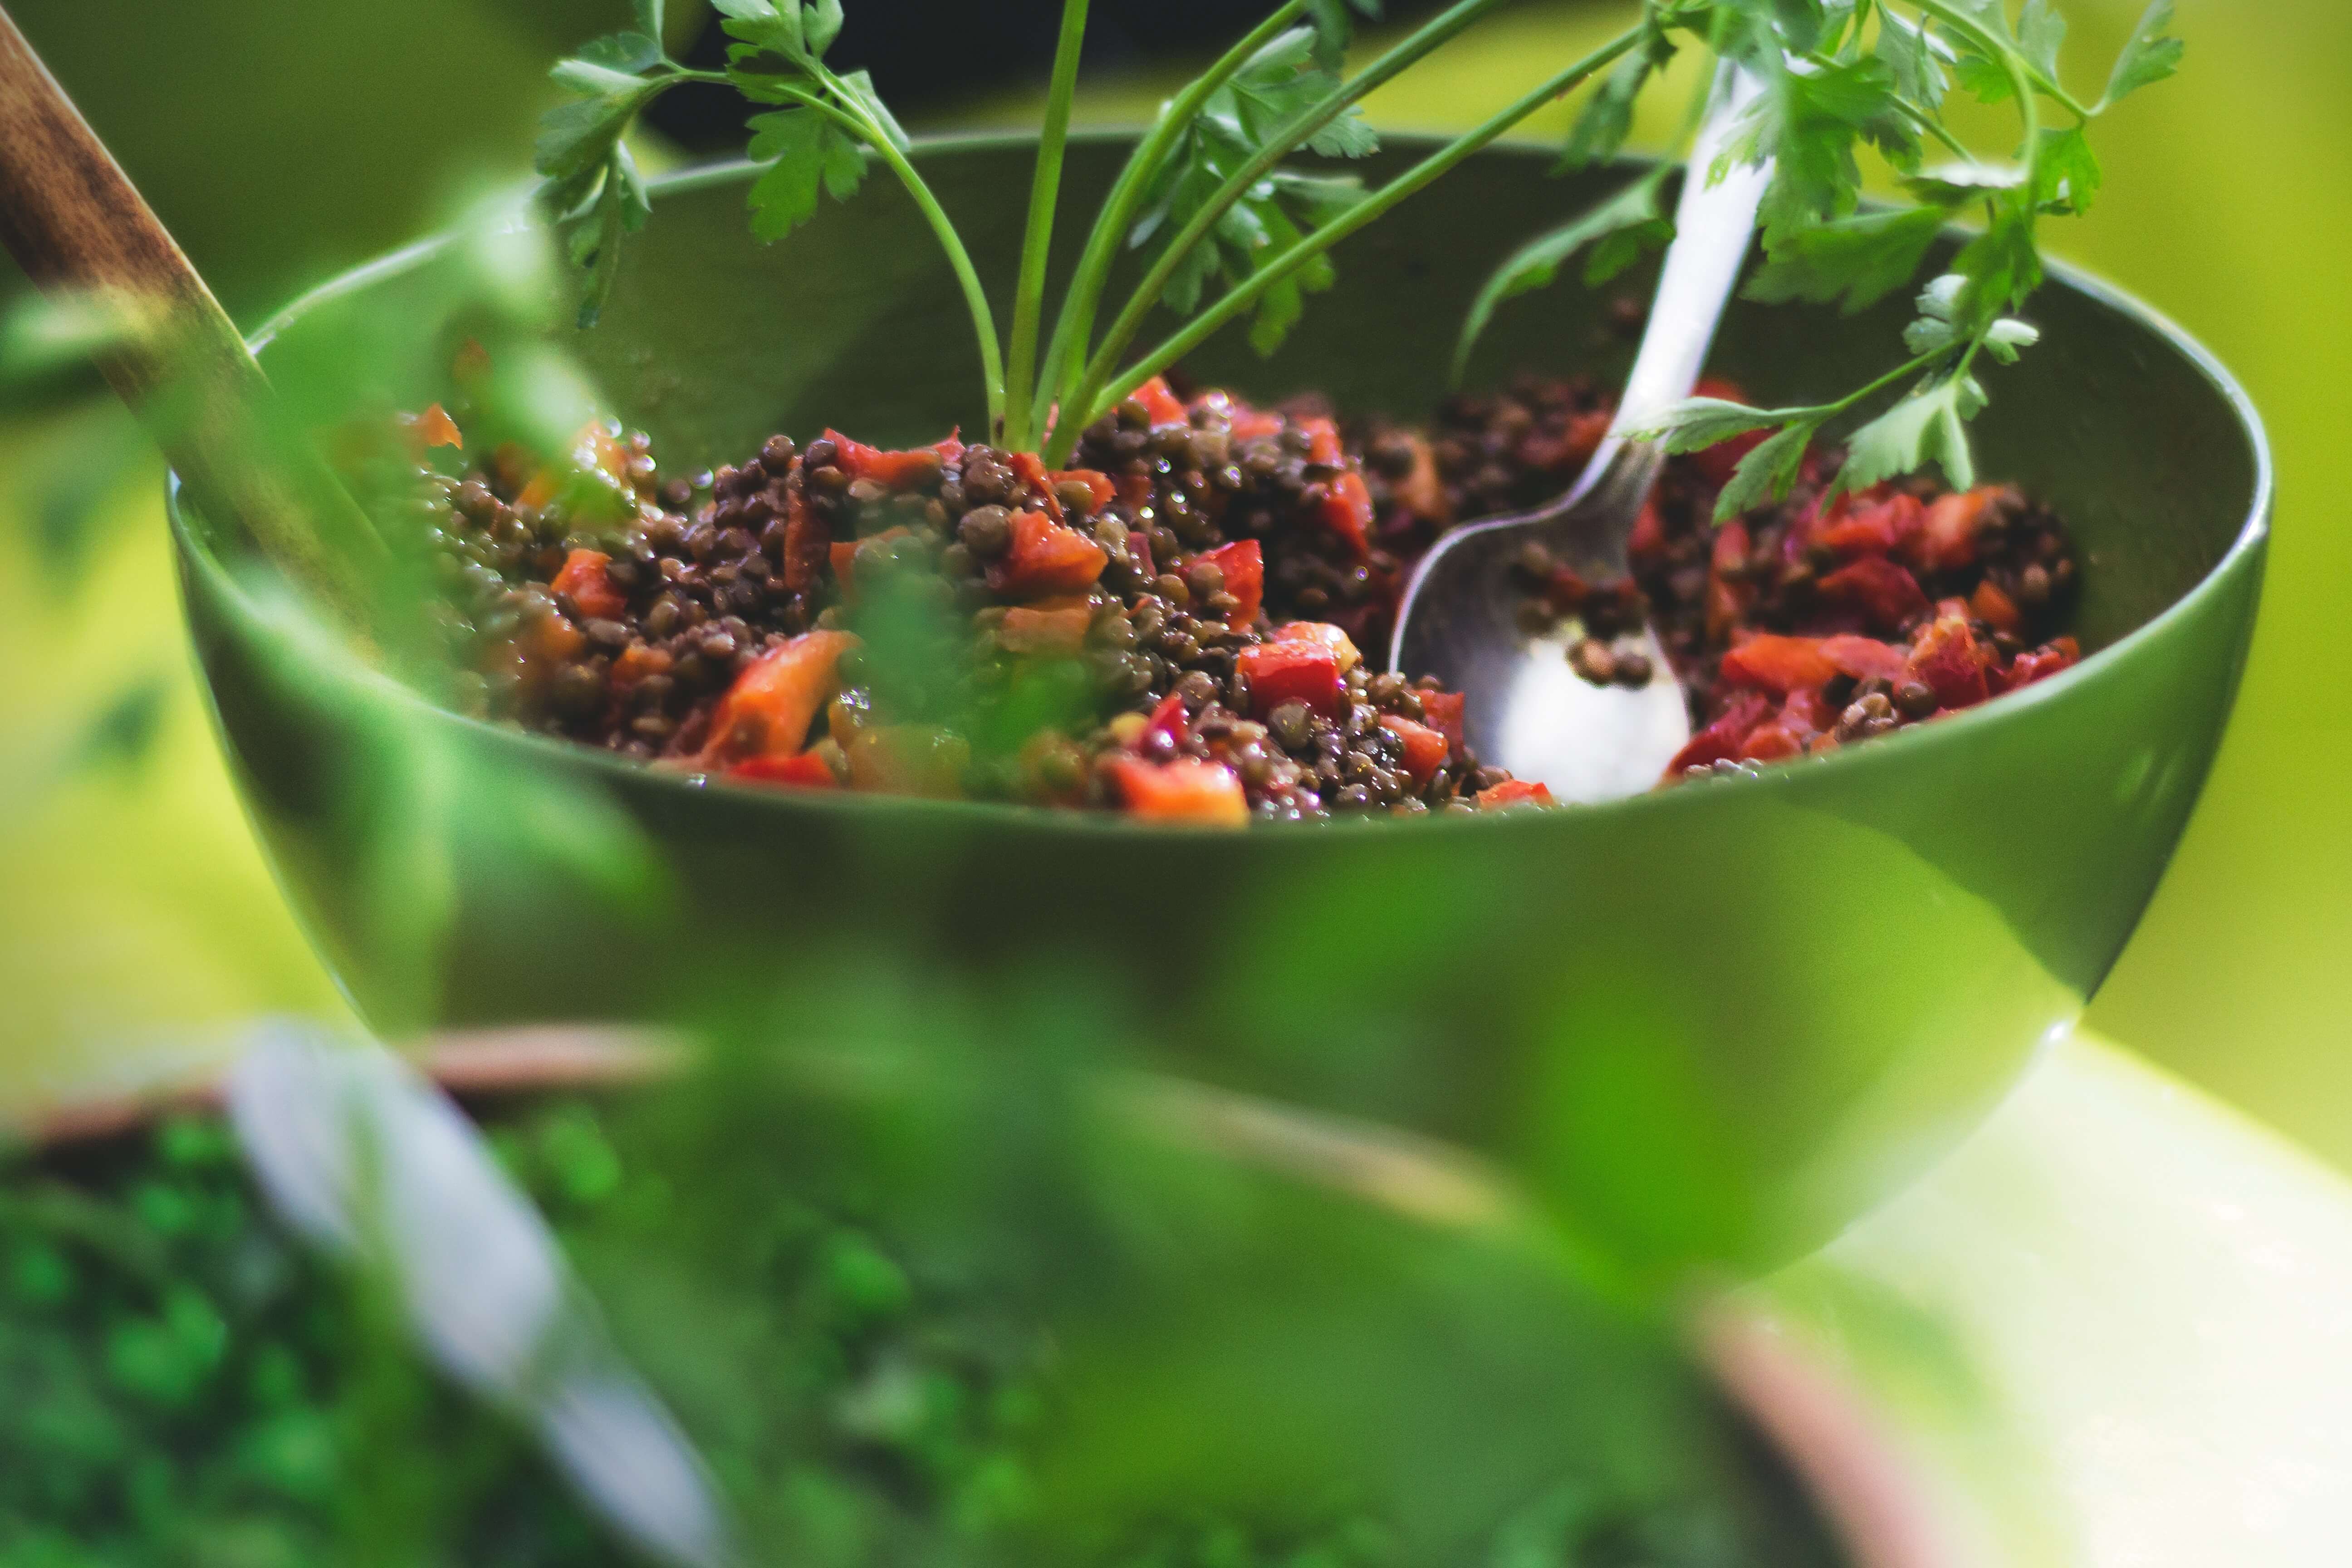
[1715, 1022]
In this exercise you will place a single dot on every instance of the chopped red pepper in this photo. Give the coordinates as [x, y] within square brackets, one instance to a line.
[1061, 630]
[1244, 565]
[1727, 592]
[1950, 661]
[1046, 558]
[1946, 541]
[1864, 658]
[1105, 492]
[582, 578]
[1186, 790]
[1282, 672]
[1161, 404]
[1348, 511]
[1995, 609]
[1168, 719]
[1322, 441]
[894, 470]
[1251, 425]
[2042, 663]
[807, 538]
[1778, 665]
[433, 427]
[1441, 712]
[1513, 792]
[1426, 750]
[638, 661]
[1871, 523]
[1720, 740]
[1322, 633]
[1769, 742]
[768, 710]
[1883, 594]
[804, 771]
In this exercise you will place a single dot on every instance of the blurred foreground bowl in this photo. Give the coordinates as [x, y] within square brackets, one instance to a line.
[1715, 1023]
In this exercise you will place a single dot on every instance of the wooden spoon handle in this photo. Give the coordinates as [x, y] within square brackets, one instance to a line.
[80, 230]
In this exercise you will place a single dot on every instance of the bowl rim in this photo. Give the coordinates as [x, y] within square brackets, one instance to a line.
[2245, 549]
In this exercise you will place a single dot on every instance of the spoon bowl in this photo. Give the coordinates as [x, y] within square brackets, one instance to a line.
[1718, 1021]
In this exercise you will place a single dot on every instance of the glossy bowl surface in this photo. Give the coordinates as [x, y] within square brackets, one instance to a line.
[1715, 1021]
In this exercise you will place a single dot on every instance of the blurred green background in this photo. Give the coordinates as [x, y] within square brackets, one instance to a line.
[282, 140]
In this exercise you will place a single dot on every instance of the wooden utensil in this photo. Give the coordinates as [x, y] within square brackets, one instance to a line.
[82, 233]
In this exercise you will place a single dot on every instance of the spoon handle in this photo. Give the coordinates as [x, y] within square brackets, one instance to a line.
[1712, 224]
[82, 233]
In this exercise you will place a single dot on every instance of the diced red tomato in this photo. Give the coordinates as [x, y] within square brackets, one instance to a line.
[1720, 740]
[1253, 425]
[1103, 491]
[1871, 523]
[894, 470]
[1422, 490]
[552, 639]
[1513, 792]
[842, 556]
[1769, 742]
[1244, 565]
[1282, 672]
[1864, 658]
[1778, 665]
[2042, 663]
[1426, 750]
[1030, 469]
[1885, 595]
[1164, 406]
[1950, 661]
[1948, 539]
[1322, 633]
[584, 578]
[1348, 511]
[1185, 790]
[1029, 629]
[1441, 712]
[1807, 713]
[1995, 609]
[1169, 719]
[1322, 441]
[1046, 558]
[1726, 594]
[803, 771]
[768, 711]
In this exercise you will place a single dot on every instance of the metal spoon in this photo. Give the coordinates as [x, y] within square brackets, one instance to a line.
[1528, 711]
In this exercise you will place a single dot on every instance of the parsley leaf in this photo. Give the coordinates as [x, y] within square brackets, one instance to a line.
[649, 13]
[1607, 116]
[1857, 259]
[2068, 175]
[2041, 29]
[1768, 473]
[1621, 229]
[1334, 27]
[1910, 52]
[1697, 423]
[622, 208]
[1808, 120]
[804, 152]
[1264, 96]
[2147, 56]
[1930, 426]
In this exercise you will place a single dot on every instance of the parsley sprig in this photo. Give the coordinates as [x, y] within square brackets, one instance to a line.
[1846, 77]
[1226, 228]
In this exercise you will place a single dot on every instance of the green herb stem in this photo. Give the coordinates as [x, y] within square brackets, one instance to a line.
[1076, 322]
[1129, 322]
[1028, 301]
[1371, 207]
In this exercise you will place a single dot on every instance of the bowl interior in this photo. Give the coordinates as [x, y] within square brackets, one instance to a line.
[712, 343]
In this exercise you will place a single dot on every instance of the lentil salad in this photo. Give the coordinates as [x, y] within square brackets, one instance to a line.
[1174, 625]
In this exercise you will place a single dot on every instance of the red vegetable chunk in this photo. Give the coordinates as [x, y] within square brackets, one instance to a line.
[1186, 790]
[1046, 558]
[1950, 662]
[582, 578]
[1426, 750]
[1060, 629]
[1441, 712]
[768, 710]
[1347, 512]
[1721, 741]
[803, 771]
[896, 470]
[1282, 672]
[1779, 665]
[1886, 595]
[1513, 792]
[1244, 565]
